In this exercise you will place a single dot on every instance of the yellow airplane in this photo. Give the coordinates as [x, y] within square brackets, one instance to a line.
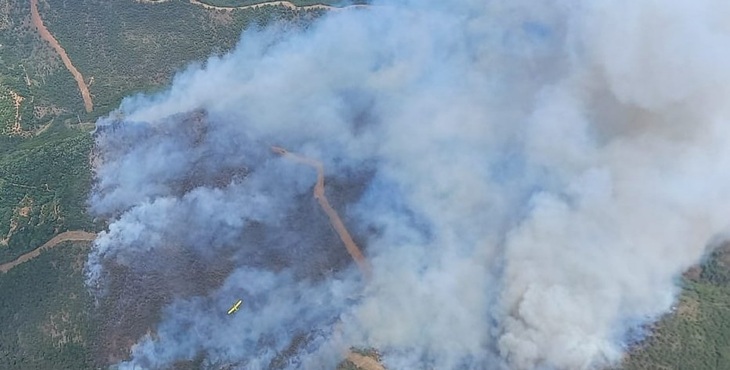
[235, 307]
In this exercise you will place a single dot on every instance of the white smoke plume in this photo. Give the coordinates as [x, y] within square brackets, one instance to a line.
[527, 180]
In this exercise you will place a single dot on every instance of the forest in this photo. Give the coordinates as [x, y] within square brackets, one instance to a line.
[45, 313]
[44, 182]
[696, 335]
[121, 48]
[127, 47]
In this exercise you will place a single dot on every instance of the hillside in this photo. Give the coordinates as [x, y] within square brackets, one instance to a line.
[126, 47]
[46, 313]
[120, 48]
[696, 335]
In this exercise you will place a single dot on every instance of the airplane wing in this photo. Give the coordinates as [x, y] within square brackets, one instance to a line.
[235, 307]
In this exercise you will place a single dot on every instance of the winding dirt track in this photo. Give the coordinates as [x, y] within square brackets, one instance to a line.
[335, 220]
[46, 35]
[68, 236]
[362, 362]
[285, 3]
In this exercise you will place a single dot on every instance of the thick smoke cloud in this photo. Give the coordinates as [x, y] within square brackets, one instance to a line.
[527, 179]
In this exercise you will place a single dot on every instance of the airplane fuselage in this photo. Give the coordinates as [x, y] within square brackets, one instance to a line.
[235, 307]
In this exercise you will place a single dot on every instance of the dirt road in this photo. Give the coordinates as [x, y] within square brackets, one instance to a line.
[46, 35]
[362, 362]
[60, 238]
[335, 220]
[287, 4]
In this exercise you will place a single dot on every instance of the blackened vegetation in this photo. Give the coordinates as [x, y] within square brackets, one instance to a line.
[205, 171]
[305, 241]
[187, 130]
[190, 130]
[136, 295]
[139, 286]
[48, 318]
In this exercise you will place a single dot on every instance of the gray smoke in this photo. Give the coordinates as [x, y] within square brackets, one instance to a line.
[527, 179]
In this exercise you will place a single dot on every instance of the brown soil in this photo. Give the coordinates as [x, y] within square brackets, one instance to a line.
[27, 79]
[57, 328]
[689, 309]
[335, 220]
[364, 362]
[60, 238]
[15, 128]
[13, 226]
[24, 211]
[17, 99]
[46, 35]
[41, 111]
